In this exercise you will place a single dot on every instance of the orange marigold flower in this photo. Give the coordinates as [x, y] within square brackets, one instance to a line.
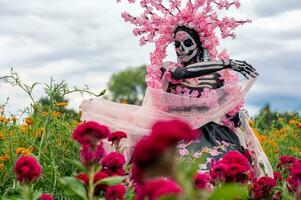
[43, 114]
[4, 157]
[14, 118]
[1, 166]
[2, 136]
[23, 128]
[23, 151]
[292, 121]
[28, 121]
[61, 104]
[2, 118]
[55, 114]
[299, 125]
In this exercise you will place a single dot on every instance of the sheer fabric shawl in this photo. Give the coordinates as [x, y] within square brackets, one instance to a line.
[158, 104]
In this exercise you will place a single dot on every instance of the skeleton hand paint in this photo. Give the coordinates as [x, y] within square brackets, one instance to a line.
[242, 67]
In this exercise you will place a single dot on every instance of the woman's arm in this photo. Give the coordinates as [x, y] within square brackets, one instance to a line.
[204, 68]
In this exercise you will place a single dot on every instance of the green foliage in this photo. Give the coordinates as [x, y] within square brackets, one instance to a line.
[73, 188]
[230, 192]
[128, 85]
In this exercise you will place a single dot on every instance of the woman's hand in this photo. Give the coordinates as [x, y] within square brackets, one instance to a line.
[242, 67]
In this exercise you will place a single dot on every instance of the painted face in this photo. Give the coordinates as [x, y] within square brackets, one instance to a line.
[186, 47]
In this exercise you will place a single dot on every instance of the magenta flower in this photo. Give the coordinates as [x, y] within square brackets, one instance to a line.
[116, 192]
[262, 187]
[202, 181]
[27, 169]
[90, 133]
[89, 156]
[233, 167]
[45, 196]
[156, 188]
[113, 164]
[117, 136]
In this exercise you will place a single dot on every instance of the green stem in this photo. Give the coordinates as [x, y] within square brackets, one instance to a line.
[91, 183]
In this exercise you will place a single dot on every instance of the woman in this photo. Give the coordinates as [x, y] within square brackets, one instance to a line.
[206, 94]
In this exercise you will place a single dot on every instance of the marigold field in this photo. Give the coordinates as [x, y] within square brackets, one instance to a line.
[45, 128]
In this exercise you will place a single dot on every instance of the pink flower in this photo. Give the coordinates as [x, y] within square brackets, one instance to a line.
[156, 188]
[27, 169]
[117, 136]
[45, 196]
[202, 181]
[90, 133]
[116, 192]
[89, 156]
[113, 164]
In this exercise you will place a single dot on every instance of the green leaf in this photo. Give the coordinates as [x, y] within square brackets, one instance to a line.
[77, 164]
[72, 187]
[114, 180]
[130, 194]
[230, 192]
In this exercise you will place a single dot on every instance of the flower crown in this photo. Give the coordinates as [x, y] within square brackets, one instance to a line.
[160, 18]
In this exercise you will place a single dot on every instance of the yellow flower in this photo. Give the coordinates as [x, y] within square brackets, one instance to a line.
[61, 104]
[2, 118]
[14, 118]
[1, 166]
[43, 114]
[4, 158]
[39, 132]
[124, 101]
[252, 122]
[23, 128]
[55, 114]
[2, 136]
[23, 151]
[28, 121]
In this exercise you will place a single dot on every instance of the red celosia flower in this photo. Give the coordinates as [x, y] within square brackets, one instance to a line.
[83, 177]
[285, 161]
[113, 164]
[173, 131]
[218, 171]
[202, 181]
[116, 192]
[262, 187]
[90, 157]
[97, 177]
[278, 177]
[233, 167]
[117, 136]
[236, 157]
[156, 188]
[90, 133]
[27, 169]
[295, 173]
[164, 135]
[46, 197]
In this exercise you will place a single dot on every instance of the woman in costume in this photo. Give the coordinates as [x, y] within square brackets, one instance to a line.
[203, 88]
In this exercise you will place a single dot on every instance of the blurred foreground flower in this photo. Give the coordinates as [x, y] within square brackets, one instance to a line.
[27, 169]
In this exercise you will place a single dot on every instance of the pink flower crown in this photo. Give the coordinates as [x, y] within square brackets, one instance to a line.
[159, 20]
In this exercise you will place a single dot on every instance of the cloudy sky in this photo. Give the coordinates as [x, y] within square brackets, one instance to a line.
[85, 41]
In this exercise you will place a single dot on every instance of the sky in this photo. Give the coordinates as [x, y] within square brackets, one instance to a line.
[84, 41]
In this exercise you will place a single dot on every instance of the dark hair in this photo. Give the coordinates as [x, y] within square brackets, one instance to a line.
[194, 34]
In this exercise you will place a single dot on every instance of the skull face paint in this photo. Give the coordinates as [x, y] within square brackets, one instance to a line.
[186, 47]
